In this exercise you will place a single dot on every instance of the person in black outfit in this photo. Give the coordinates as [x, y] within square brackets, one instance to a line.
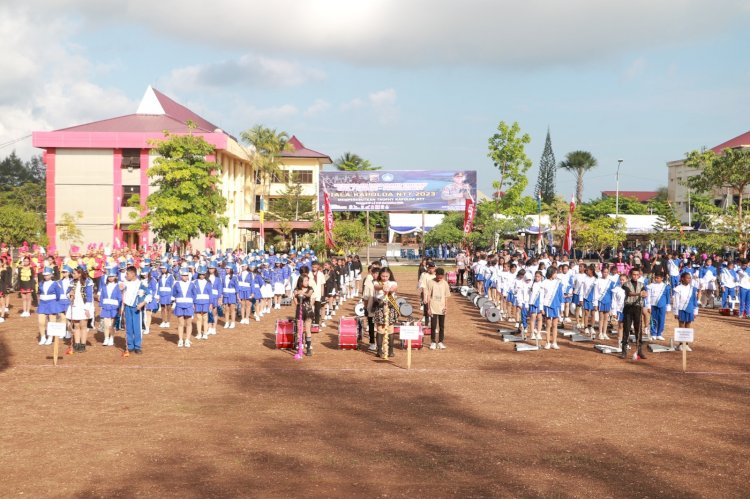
[635, 292]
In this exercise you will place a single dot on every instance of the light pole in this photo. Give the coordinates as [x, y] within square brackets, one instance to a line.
[617, 192]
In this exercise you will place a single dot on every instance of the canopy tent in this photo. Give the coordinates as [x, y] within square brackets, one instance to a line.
[409, 223]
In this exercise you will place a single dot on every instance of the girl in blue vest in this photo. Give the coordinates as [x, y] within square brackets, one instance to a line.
[659, 296]
[244, 293]
[603, 301]
[110, 302]
[49, 294]
[184, 307]
[202, 292]
[685, 299]
[228, 299]
[552, 297]
[164, 287]
[153, 305]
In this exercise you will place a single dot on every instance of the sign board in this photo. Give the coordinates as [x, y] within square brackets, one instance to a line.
[407, 190]
[56, 329]
[408, 333]
[683, 335]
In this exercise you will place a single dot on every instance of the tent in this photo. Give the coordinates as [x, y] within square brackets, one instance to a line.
[408, 223]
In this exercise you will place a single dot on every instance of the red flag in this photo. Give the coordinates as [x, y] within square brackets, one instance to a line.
[568, 243]
[328, 216]
[469, 213]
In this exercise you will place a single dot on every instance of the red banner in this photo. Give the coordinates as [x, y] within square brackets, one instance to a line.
[568, 242]
[328, 214]
[469, 212]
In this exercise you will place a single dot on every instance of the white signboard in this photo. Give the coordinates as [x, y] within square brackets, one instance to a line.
[408, 333]
[56, 329]
[683, 335]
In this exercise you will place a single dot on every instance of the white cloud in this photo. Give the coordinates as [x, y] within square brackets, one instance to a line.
[424, 32]
[249, 70]
[317, 107]
[44, 83]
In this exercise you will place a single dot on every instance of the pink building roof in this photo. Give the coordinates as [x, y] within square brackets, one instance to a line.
[298, 150]
[739, 141]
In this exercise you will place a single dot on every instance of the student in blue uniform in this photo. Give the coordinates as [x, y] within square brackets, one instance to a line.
[165, 283]
[202, 293]
[49, 294]
[552, 297]
[184, 307]
[659, 298]
[229, 296]
[110, 303]
[685, 299]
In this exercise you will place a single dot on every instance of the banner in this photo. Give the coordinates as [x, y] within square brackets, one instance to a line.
[408, 190]
[469, 212]
[568, 242]
[328, 214]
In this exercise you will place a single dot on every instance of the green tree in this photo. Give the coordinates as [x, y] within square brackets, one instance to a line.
[578, 163]
[597, 208]
[350, 235]
[729, 170]
[545, 184]
[506, 150]
[67, 228]
[18, 225]
[353, 163]
[605, 232]
[186, 201]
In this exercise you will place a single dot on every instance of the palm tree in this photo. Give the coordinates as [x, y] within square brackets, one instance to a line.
[353, 163]
[578, 163]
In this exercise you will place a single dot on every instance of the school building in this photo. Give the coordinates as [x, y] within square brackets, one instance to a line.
[95, 169]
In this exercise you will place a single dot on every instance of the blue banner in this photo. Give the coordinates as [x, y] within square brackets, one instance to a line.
[408, 190]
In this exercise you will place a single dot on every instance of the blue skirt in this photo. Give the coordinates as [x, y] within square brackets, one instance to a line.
[685, 316]
[552, 312]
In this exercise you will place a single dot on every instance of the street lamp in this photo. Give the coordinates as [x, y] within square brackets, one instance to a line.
[617, 192]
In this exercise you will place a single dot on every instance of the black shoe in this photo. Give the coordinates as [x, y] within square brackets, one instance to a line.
[138, 351]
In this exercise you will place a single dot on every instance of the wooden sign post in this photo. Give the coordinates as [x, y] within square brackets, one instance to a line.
[56, 330]
[408, 333]
[683, 336]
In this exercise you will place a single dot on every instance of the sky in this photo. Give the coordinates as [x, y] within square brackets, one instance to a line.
[409, 84]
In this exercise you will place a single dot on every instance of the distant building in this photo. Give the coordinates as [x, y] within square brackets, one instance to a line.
[97, 167]
[643, 197]
[677, 191]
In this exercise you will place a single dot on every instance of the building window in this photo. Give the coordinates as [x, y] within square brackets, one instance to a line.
[131, 158]
[128, 191]
[302, 176]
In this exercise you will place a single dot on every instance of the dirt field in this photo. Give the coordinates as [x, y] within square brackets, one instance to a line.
[232, 416]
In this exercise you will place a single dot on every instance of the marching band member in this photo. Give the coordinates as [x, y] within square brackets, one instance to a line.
[229, 295]
[603, 302]
[81, 308]
[164, 296]
[202, 300]
[49, 294]
[685, 303]
[184, 307]
[551, 300]
[659, 298]
[110, 302]
[744, 288]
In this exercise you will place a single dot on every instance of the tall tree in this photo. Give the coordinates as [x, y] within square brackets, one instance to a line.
[545, 184]
[353, 163]
[506, 150]
[729, 170]
[578, 163]
[186, 202]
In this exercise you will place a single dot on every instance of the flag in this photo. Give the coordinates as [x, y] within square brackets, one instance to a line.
[328, 220]
[568, 242]
[469, 213]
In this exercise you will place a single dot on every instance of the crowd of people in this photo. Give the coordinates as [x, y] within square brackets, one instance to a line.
[633, 294]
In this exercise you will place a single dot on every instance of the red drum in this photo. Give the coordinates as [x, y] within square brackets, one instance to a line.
[348, 333]
[284, 334]
[451, 277]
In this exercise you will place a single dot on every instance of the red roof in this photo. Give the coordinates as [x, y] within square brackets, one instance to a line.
[640, 196]
[298, 150]
[739, 141]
